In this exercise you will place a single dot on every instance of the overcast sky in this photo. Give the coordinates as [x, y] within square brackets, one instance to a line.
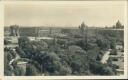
[99, 14]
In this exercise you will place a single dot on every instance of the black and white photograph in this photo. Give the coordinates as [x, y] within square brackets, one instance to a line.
[64, 39]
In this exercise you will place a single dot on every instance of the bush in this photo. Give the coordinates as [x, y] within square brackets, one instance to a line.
[18, 71]
[98, 68]
[6, 42]
[31, 70]
[113, 52]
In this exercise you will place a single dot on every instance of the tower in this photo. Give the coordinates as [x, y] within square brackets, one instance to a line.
[14, 30]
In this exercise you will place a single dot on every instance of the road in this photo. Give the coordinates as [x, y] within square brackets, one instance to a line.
[105, 57]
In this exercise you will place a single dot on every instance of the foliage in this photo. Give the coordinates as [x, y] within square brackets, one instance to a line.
[103, 43]
[6, 42]
[65, 30]
[77, 63]
[113, 52]
[93, 53]
[7, 68]
[18, 71]
[23, 41]
[31, 70]
[99, 69]
[20, 52]
[79, 54]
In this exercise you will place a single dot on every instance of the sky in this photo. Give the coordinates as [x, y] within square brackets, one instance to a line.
[66, 14]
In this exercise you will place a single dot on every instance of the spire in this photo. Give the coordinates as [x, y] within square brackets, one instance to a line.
[118, 24]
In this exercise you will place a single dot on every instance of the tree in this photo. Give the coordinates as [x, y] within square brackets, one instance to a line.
[77, 58]
[65, 70]
[108, 71]
[103, 43]
[40, 45]
[84, 31]
[50, 62]
[98, 68]
[31, 70]
[100, 55]
[92, 54]
[7, 68]
[112, 43]
[113, 52]
[65, 31]
[18, 71]
[23, 41]
[113, 26]
[6, 42]
[20, 52]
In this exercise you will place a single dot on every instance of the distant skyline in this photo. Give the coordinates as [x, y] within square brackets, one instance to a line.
[73, 15]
